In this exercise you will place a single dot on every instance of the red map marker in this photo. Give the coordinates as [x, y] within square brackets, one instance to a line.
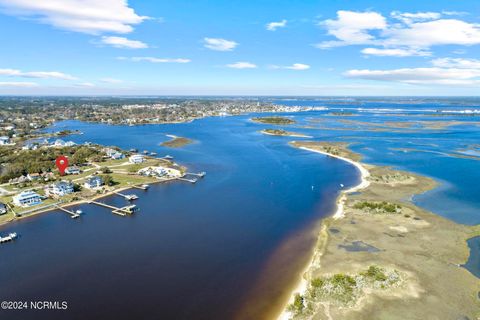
[62, 164]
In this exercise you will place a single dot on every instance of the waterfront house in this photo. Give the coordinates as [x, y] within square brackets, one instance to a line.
[136, 158]
[27, 198]
[117, 156]
[93, 182]
[33, 176]
[3, 208]
[4, 140]
[59, 189]
[72, 170]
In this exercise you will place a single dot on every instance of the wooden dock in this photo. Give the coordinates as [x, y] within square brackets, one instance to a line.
[72, 214]
[141, 187]
[128, 197]
[120, 211]
[200, 174]
[187, 180]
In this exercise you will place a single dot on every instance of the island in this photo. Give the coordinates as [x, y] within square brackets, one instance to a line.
[379, 249]
[280, 132]
[176, 142]
[274, 120]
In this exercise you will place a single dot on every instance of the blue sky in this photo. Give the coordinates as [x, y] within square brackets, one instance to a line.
[330, 47]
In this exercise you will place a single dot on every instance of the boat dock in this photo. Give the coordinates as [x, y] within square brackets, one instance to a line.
[11, 236]
[72, 214]
[187, 180]
[200, 174]
[128, 197]
[120, 211]
[141, 187]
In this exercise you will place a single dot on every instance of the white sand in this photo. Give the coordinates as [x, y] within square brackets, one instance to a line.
[302, 286]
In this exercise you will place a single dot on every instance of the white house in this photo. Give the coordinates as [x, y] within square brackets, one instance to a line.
[59, 189]
[117, 156]
[93, 182]
[72, 170]
[136, 158]
[27, 198]
[3, 208]
[4, 140]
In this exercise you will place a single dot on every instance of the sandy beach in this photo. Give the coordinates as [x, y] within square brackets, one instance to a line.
[302, 285]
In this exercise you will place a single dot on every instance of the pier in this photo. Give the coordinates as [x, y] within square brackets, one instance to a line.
[72, 214]
[187, 180]
[141, 187]
[128, 197]
[200, 174]
[120, 211]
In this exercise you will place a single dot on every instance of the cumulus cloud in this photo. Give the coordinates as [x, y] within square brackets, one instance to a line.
[295, 66]
[155, 60]
[445, 71]
[122, 42]
[272, 26]
[351, 28]
[411, 34]
[86, 16]
[219, 44]
[18, 84]
[36, 74]
[242, 65]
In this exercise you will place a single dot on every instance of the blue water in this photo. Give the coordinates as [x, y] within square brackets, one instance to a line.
[199, 251]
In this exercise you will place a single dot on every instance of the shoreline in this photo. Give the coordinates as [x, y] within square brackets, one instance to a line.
[419, 246]
[52, 207]
[302, 284]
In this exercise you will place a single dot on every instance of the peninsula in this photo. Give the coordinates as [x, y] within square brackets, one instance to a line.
[380, 256]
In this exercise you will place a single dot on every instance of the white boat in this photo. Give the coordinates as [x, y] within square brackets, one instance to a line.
[79, 211]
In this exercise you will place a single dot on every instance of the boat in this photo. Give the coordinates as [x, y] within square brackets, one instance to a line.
[145, 151]
[168, 157]
[11, 236]
[79, 211]
[153, 153]
[145, 186]
[131, 197]
[133, 150]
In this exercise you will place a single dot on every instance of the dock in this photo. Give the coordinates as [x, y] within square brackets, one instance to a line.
[72, 214]
[11, 236]
[120, 211]
[200, 174]
[128, 197]
[187, 180]
[141, 187]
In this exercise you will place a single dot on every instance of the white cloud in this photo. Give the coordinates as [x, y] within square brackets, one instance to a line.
[414, 35]
[122, 42]
[295, 66]
[445, 71]
[19, 84]
[36, 74]
[111, 80]
[86, 84]
[456, 63]
[86, 16]
[155, 60]
[352, 28]
[218, 44]
[397, 52]
[242, 65]
[407, 17]
[272, 26]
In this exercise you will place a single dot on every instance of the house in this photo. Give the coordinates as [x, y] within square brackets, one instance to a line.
[117, 156]
[4, 140]
[93, 182]
[59, 189]
[48, 176]
[3, 208]
[69, 144]
[27, 199]
[72, 170]
[59, 143]
[109, 151]
[33, 176]
[136, 158]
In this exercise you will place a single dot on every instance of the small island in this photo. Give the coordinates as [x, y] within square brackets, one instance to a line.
[379, 249]
[176, 142]
[280, 132]
[274, 120]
